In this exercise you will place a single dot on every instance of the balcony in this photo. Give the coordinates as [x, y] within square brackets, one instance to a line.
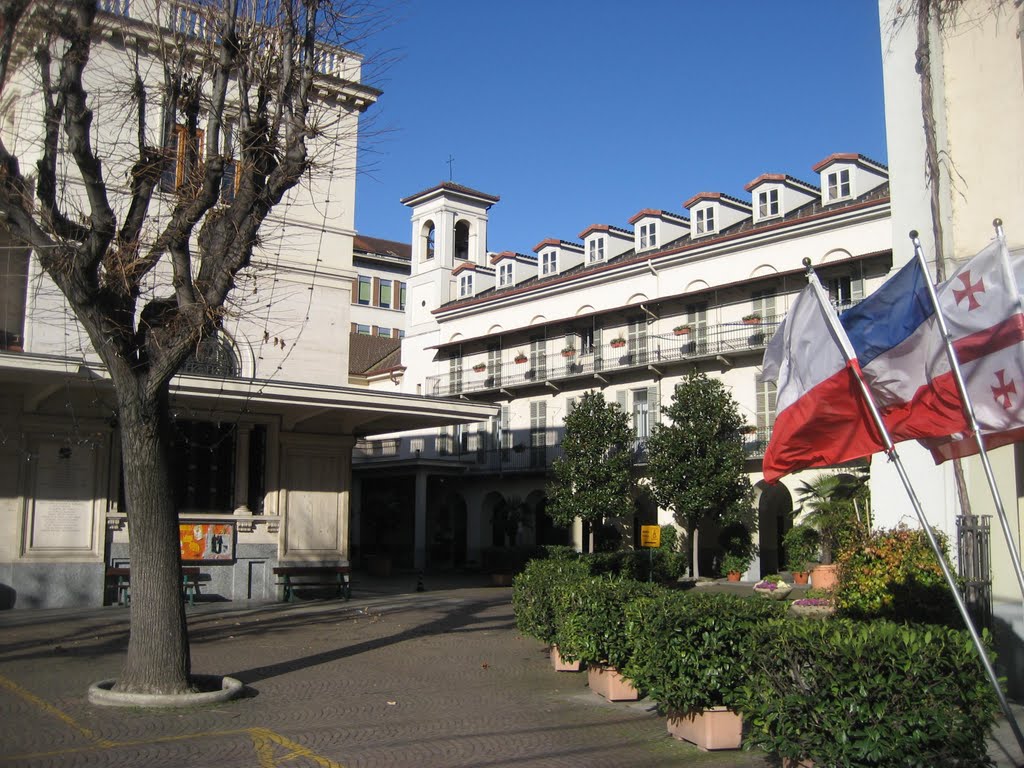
[523, 370]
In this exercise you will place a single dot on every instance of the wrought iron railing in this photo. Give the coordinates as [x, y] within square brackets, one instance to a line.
[973, 557]
[517, 370]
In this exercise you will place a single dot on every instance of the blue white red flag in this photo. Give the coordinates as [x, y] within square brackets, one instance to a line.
[821, 416]
[903, 356]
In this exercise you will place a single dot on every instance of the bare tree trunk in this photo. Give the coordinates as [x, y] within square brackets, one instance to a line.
[158, 651]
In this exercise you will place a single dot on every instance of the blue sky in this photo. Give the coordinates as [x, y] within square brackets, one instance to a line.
[584, 112]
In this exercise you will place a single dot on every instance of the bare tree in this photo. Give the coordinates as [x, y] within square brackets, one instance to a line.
[146, 234]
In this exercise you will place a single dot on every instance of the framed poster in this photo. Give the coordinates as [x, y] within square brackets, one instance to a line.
[207, 541]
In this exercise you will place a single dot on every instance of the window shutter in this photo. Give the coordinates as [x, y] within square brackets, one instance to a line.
[620, 399]
[653, 407]
[856, 288]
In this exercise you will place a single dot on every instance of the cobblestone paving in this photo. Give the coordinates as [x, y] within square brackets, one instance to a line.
[421, 680]
[440, 679]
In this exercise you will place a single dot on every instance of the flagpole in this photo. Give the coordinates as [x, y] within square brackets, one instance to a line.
[968, 406]
[890, 449]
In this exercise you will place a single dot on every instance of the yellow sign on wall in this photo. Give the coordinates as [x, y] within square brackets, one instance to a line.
[650, 535]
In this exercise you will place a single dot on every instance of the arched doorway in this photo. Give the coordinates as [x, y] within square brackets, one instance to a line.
[774, 519]
[546, 531]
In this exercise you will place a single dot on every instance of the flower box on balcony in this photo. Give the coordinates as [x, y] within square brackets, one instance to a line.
[480, 367]
[616, 343]
[568, 351]
[752, 319]
[681, 330]
[520, 358]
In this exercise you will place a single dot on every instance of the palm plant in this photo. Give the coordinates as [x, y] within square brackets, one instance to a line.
[833, 505]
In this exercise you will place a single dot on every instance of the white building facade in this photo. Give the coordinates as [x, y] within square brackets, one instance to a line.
[265, 418]
[628, 312]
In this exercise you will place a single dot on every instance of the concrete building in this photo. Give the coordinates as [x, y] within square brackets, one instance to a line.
[977, 105]
[266, 413]
[626, 310]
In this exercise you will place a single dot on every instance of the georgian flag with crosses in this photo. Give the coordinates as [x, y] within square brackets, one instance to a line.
[901, 351]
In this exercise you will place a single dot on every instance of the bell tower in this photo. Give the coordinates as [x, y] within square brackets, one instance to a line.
[449, 228]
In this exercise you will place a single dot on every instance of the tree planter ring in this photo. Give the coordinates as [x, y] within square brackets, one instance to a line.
[218, 689]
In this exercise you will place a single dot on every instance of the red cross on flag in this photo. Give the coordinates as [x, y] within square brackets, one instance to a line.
[981, 305]
[902, 353]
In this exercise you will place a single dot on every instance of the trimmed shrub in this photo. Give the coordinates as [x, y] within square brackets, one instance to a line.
[894, 575]
[590, 619]
[841, 692]
[687, 648]
[533, 594]
[638, 564]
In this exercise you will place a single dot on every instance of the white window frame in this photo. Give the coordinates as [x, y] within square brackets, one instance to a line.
[704, 220]
[839, 184]
[768, 203]
[505, 274]
[595, 250]
[465, 285]
[648, 235]
[549, 262]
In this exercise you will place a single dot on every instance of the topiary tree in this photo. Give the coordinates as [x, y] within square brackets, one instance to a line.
[696, 460]
[593, 479]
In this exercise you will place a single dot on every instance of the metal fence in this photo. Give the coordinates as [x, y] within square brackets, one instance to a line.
[973, 546]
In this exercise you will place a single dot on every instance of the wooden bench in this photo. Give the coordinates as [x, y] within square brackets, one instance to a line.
[122, 583]
[336, 576]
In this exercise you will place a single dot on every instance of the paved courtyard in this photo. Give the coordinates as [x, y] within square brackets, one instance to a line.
[392, 678]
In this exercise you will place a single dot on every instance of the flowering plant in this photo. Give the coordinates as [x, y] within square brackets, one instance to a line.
[818, 601]
[771, 585]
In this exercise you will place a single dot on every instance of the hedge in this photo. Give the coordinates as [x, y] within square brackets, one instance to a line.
[687, 649]
[842, 692]
[533, 594]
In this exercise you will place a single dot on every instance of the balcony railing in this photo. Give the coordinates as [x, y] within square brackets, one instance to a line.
[640, 351]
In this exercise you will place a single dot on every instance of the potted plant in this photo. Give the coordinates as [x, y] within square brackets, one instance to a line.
[618, 341]
[754, 318]
[801, 547]
[832, 503]
[591, 626]
[568, 351]
[734, 565]
[773, 587]
[748, 429]
[681, 330]
[480, 367]
[688, 651]
[520, 357]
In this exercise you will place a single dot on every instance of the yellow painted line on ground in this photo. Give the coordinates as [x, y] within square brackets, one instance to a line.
[263, 739]
[30, 697]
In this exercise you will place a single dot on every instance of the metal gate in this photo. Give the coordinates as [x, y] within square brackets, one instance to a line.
[975, 567]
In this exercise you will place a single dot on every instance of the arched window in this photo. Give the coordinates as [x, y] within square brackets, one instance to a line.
[215, 357]
[428, 240]
[462, 240]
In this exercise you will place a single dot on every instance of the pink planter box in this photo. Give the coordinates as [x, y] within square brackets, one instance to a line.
[560, 664]
[607, 682]
[716, 728]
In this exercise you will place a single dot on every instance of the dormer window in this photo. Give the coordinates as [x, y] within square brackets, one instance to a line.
[505, 274]
[466, 285]
[838, 183]
[767, 203]
[704, 220]
[648, 236]
[549, 262]
[596, 249]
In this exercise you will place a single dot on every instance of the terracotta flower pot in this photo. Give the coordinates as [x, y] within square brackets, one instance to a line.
[733, 575]
[607, 682]
[824, 576]
[800, 577]
[715, 728]
[561, 665]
